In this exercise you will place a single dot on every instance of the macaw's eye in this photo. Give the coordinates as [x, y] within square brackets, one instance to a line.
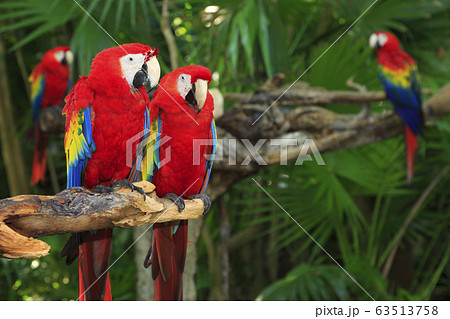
[182, 77]
[130, 59]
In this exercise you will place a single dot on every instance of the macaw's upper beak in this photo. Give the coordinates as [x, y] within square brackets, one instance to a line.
[154, 71]
[148, 74]
[68, 58]
[196, 96]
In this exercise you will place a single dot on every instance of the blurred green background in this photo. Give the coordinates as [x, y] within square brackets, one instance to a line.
[355, 206]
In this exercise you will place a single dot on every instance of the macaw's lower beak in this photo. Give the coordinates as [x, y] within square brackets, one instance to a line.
[196, 96]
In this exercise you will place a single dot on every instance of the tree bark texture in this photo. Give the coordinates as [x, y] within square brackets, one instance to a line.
[77, 209]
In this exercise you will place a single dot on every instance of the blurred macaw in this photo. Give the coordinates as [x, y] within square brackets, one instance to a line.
[50, 82]
[103, 112]
[399, 75]
[181, 122]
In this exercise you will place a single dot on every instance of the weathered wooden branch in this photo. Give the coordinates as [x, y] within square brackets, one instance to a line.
[301, 93]
[77, 209]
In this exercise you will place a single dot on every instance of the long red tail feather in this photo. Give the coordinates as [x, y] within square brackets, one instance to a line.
[93, 262]
[169, 254]
[411, 147]
[40, 157]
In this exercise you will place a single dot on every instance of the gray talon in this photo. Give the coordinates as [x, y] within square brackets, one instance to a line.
[102, 189]
[128, 184]
[206, 201]
[177, 200]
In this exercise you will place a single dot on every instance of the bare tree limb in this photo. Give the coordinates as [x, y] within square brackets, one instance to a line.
[78, 209]
[301, 93]
[329, 131]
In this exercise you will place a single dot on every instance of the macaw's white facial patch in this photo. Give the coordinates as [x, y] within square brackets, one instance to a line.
[184, 84]
[131, 64]
[59, 56]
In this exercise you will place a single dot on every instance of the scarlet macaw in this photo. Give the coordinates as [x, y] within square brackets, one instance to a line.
[50, 82]
[398, 73]
[103, 112]
[181, 113]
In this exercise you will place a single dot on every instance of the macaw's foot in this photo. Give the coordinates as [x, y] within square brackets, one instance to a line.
[102, 189]
[177, 200]
[206, 201]
[126, 183]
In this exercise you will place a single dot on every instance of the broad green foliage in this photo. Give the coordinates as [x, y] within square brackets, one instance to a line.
[355, 206]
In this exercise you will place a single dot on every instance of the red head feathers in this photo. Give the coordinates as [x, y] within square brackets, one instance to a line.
[186, 88]
[112, 66]
[57, 56]
[389, 51]
[384, 41]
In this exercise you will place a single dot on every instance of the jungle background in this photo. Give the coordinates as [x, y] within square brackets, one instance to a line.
[355, 206]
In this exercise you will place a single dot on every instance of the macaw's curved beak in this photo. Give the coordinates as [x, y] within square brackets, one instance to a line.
[196, 96]
[154, 71]
[148, 74]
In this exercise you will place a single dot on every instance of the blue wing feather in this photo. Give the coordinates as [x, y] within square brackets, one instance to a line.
[407, 99]
[80, 155]
[37, 97]
[210, 160]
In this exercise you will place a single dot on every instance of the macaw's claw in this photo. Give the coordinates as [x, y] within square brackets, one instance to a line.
[128, 184]
[177, 200]
[206, 201]
[102, 189]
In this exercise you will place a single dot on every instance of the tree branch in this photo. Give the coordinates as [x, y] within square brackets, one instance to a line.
[78, 209]
[330, 131]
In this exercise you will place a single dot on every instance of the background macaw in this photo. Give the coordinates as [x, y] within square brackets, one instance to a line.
[181, 112]
[398, 73]
[103, 111]
[50, 82]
